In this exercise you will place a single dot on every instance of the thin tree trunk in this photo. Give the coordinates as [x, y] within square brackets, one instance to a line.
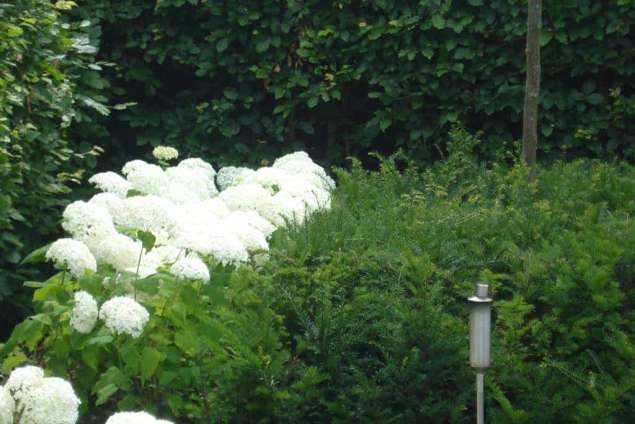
[532, 85]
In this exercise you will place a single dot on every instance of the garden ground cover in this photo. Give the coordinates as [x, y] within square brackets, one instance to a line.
[360, 314]
[374, 291]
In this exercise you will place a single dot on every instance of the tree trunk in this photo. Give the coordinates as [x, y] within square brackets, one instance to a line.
[532, 85]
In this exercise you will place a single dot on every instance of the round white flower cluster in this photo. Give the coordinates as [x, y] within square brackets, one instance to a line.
[134, 418]
[37, 399]
[7, 406]
[165, 153]
[190, 267]
[71, 255]
[85, 312]
[111, 182]
[184, 210]
[123, 315]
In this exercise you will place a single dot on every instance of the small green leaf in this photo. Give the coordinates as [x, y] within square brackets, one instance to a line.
[14, 31]
[596, 99]
[34, 284]
[37, 256]
[384, 123]
[147, 239]
[133, 192]
[150, 359]
[149, 284]
[90, 357]
[13, 361]
[222, 45]
[105, 393]
[545, 38]
[438, 22]
[187, 342]
[312, 102]
[230, 94]
[124, 106]
[99, 340]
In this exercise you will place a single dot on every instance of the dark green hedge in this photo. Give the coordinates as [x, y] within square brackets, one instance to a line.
[49, 93]
[248, 79]
[355, 286]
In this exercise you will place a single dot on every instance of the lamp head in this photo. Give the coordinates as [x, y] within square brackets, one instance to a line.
[480, 327]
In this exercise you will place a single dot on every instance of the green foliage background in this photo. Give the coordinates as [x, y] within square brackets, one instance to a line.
[361, 311]
[242, 81]
[50, 92]
[360, 315]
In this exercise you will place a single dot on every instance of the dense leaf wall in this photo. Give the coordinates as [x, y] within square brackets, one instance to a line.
[49, 93]
[243, 80]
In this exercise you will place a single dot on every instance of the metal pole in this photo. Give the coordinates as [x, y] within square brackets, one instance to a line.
[480, 389]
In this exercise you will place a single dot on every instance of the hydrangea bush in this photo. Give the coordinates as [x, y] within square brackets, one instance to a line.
[137, 319]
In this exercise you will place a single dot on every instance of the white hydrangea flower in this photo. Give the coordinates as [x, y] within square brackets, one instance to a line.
[315, 198]
[283, 208]
[310, 173]
[145, 177]
[22, 380]
[142, 271]
[71, 255]
[123, 315]
[199, 164]
[51, 401]
[111, 182]
[133, 166]
[134, 418]
[84, 220]
[202, 232]
[255, 220]
[117, 250]
[227, 248]
[183, 209]
[195, 216]
[190, 267]
[213, 241]
[245, 197]
[214, 206]
[295, 156]
[252, 238]
[85, 312]
[161, 255]
[273, 179]
[7, 406]
[197, 179]
[180, 194]
[299, 163]
[165, 153]
[109, 202]
[149, 213]
[231, 175]
[324, 182]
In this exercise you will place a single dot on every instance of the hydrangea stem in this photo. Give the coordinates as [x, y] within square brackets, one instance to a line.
[137, 272]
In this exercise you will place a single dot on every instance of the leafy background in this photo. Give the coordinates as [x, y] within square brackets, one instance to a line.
[49, 96]
[242, 82]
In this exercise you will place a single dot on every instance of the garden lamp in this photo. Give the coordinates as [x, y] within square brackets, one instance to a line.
[480, 328]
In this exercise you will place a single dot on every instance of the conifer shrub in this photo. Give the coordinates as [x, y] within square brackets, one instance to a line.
[360, 315]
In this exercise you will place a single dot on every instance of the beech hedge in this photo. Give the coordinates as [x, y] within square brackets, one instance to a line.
[236, 81]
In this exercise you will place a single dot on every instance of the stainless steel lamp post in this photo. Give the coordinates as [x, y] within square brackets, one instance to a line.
[480, 330]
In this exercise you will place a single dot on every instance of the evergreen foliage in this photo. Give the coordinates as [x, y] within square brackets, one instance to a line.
[243, 81]
[48, 84]
[360, 314]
